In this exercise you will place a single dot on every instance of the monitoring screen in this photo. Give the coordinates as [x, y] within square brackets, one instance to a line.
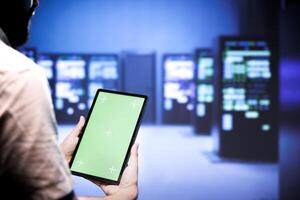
[205, 71]
[178, 87]
[47, 63]
[70, 88]
[247, 86]
[103, 72]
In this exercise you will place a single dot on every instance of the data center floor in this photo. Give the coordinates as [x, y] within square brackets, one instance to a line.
[176, 164]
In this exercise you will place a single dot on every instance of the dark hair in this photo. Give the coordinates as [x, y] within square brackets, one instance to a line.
[14, 20]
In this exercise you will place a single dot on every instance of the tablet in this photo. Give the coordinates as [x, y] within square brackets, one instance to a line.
[110, 130]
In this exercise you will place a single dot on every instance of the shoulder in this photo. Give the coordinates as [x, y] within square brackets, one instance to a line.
[20, 78]
[16, 69]
[12, 62]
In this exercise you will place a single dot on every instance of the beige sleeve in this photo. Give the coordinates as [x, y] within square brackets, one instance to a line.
[29, 152]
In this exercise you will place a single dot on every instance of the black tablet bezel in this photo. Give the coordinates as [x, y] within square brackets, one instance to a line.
[134, 135]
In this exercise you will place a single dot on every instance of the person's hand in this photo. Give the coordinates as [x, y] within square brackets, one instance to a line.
[70, 142]
[127, 189]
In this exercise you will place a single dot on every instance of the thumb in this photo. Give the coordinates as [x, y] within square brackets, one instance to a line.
[79, 126]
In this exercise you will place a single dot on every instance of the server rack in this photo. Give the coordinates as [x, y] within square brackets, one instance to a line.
[205, 91]
[248, 99]
[178, 88]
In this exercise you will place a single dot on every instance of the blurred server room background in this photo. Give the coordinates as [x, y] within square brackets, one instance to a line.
[223, 78]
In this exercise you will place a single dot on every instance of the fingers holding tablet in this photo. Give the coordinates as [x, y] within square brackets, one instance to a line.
[107, 139]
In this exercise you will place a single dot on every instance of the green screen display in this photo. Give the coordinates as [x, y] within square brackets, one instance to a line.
[106, 138]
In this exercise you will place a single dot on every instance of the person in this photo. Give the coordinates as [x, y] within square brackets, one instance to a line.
[32, 164]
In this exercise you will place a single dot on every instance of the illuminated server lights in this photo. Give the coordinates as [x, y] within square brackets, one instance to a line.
[204, 78]
[70, 88]
[74, 79]
[248, 125]
[178, 88]
[47, 63]
[103, 72]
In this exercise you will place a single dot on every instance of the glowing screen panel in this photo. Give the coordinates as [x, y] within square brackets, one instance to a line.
[70, 88]
[47, 63]
[178, 88]
[205, 72]
[103, 72]
[248, 97]
[246, 77]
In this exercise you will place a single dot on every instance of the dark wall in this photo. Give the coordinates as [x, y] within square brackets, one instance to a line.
[290, 61]
[290, 97]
